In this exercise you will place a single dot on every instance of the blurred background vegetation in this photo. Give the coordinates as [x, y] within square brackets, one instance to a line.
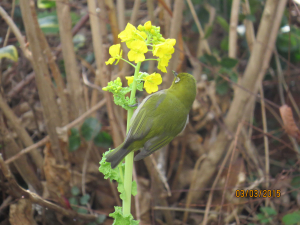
[242, 138]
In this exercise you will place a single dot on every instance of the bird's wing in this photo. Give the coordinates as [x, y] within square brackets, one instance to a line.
[156, 143]
[141, 121]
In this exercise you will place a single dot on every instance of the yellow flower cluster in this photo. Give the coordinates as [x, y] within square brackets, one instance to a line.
[135, 41]
[151, 82]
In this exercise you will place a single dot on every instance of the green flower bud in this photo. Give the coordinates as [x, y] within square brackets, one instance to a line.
[141, 28]
[105, 89]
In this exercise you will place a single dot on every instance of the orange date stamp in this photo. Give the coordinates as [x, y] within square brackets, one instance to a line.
[253, 193]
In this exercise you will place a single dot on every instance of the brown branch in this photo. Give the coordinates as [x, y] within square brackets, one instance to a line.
[22, 164]
[63, 129]
[232, 30]
[74, 86]
[51, 111]
[21, 132]
[18, 192]
[16, 32]
[259, 60]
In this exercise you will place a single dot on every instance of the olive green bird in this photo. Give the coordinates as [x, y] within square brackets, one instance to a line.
[158, 119]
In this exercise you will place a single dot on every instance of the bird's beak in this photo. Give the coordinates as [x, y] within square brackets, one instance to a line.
[175, 74]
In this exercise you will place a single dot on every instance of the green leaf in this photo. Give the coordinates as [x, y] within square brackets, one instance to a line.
[90, 128]
[73, 201]
[291, 218]
[228, 62]
[260, 216]
[209, 59]
[79, 41]
[9, 52]
[122, 220]
[45, 4]
[223, 23]
[234, 77]
[105, 168]
[84, 199]
[82, 210]
[222, 86]
[134, 188]
[250, 17]
[121, 189]
[208, 32]
[225, 43]
[268, 210]
[103, 139]
[48, 22]
[74, 140]
[101, 218]
[75, 191]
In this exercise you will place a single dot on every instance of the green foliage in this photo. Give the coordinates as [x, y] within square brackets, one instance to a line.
[84, 199]
[74, 140]
[222, 86]
[228, 62]
[103, 139]
[90, 128]
[75, 191]
[209, 59]
[266, 214]
[116, 174]
[45, 4]
[48, 22]
[120, 219]
[9, 52]
[79, 41]
[291, 218]
[223, 23]
[119, 93]
[295, 184]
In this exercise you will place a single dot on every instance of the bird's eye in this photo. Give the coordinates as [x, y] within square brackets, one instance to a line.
[177, 80]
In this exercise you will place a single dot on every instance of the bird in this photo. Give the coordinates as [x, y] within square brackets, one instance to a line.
[158, 119]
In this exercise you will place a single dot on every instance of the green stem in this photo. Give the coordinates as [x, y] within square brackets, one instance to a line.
[128, 62]
[129, 158]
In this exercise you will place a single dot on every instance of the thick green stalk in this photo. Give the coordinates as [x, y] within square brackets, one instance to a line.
[129, 157]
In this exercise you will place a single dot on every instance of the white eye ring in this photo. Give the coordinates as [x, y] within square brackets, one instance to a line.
[177, 80]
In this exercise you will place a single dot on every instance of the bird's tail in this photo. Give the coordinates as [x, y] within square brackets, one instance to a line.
[116, 156]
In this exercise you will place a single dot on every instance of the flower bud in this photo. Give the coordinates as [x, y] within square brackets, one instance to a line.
[147, 25]
[140, 28]
[105, 89]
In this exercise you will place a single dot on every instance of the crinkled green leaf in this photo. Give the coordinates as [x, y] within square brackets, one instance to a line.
[84, 199]
[74, 140]
[134, 188]
[90, 128]
[121, 189]
[291, 218]
[105, 168]
[9, 52]
[103, 139]
[75, 191]
[122, 220]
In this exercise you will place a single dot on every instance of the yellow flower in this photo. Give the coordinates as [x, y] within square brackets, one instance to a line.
[165, 48]
[163, 62]
[129, 79]
[151, 82]
[128, 33]
[138, 48]
[148, 25]
[115, 53]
